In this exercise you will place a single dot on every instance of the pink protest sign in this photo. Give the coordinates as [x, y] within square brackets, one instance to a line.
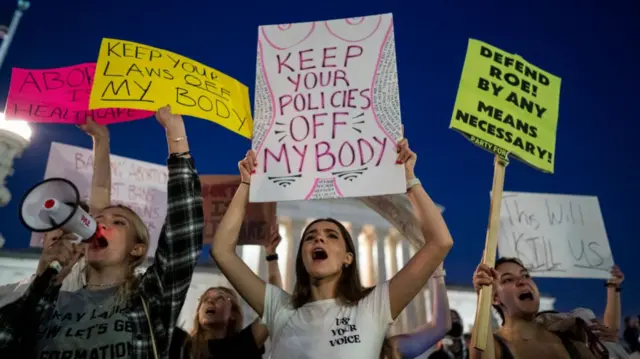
[60, 95]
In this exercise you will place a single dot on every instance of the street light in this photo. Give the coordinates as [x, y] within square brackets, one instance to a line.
[15, 136]
[7, 34]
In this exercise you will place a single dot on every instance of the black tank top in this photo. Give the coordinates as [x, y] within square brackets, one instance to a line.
[568, 345]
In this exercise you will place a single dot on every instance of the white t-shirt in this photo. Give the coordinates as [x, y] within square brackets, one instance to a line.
[327, 329]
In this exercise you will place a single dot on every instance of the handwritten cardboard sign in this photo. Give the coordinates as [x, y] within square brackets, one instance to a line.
[508, 106]
[327, 110]
[133, 75]
[141, 186]
[555, 235]
[60, 95]
[217, 192]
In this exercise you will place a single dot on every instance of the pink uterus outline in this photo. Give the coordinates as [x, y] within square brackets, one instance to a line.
[287, 27]
[350, 22]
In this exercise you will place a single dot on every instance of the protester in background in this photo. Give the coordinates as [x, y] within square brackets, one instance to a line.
[467, 343]
[607, 335]
[131, 316]
[452, 345]
[581, 324]
[330, 314]
[417, 342]
[631, 334]
[217, 330]
[517, 301]
[99, 198]
[217, 326]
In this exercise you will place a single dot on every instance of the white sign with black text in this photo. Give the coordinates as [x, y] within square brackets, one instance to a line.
[141, 186]
[558, 236]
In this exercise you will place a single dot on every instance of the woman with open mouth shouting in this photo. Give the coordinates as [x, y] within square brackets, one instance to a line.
[118, 314]
[517, 301]
[330, 314]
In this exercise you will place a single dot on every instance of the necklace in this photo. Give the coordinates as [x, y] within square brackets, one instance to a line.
[101, 286]
[103, 303]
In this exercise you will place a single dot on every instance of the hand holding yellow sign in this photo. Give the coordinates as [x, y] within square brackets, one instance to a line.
[137, 76]
[508, 106]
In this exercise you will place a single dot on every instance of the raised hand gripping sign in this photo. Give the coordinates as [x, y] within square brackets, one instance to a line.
[327, 111]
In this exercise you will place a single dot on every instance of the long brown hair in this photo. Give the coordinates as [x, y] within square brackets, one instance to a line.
[198, 340]
[350, 289]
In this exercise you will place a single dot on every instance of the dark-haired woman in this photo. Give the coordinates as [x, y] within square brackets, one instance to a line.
[517, 299]
[330, 314]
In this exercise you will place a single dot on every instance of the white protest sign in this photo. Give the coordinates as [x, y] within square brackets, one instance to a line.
[327, 111]
[141, 186]
[553, 235]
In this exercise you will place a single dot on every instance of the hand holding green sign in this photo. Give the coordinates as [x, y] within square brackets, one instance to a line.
[509, 107]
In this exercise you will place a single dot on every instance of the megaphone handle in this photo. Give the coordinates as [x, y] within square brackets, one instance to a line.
[55, 265]
[43, 281]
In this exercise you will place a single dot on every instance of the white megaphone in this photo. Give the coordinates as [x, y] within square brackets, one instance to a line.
[55, 204]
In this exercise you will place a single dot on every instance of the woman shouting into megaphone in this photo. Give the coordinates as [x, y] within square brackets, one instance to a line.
[119, 314]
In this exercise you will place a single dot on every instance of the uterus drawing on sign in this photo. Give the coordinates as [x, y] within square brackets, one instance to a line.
[327, 111]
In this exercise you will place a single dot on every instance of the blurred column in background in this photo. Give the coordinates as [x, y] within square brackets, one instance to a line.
[15, 136]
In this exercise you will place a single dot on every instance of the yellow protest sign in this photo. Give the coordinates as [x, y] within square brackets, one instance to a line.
[508, 106]
[137, 76]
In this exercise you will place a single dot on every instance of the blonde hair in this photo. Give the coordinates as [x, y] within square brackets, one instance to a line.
[198, 340]
[141, 236]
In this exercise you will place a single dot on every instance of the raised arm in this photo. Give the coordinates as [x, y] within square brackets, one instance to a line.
[20, 319]
[413, 344]
[404, 286]
[273, 269]
[612, 311]
[166, 282]
[100, 196]
[223, 250]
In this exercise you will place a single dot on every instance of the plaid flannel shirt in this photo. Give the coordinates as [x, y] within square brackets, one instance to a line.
[165, 283]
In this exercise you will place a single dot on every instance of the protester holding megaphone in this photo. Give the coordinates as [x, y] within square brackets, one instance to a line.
[99, 198]
[118, 312]
[66, 252]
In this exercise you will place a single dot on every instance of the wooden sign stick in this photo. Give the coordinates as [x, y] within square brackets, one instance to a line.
[481, 327]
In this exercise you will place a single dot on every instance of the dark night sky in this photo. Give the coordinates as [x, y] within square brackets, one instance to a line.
[589, 44]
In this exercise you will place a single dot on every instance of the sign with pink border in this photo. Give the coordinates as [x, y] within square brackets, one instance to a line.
[327, 111]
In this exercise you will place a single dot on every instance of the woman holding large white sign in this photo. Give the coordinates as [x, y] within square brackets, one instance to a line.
[330, 313]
